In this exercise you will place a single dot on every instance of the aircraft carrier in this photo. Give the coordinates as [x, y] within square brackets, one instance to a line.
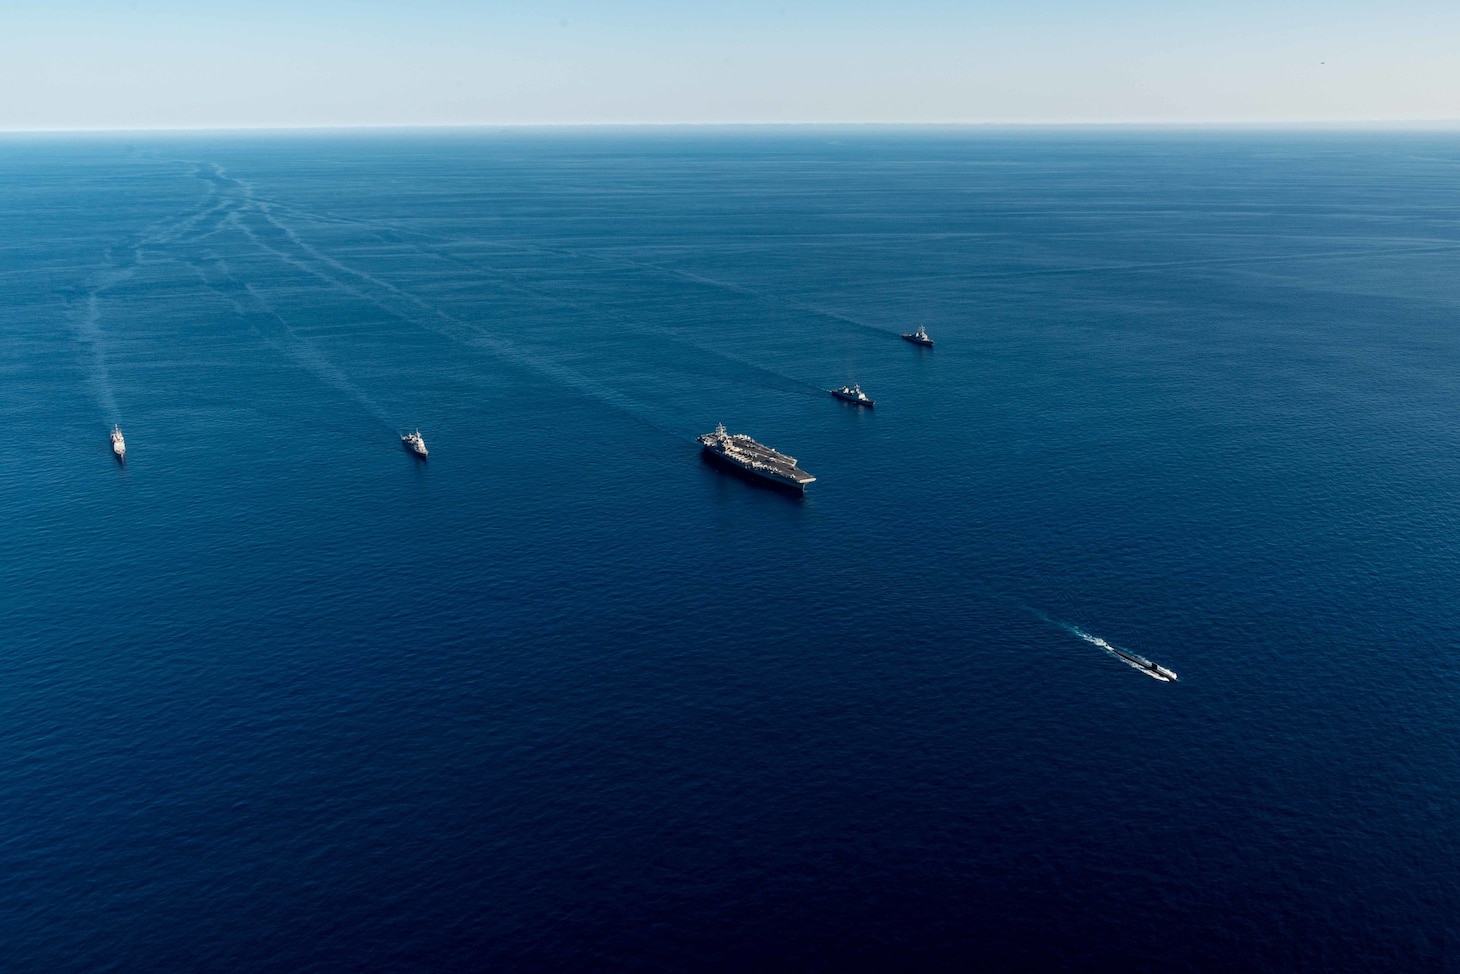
[754, 458]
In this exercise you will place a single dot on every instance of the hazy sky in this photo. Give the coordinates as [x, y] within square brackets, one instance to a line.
[169, 64]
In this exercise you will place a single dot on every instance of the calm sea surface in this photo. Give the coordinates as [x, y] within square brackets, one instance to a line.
[276, 696]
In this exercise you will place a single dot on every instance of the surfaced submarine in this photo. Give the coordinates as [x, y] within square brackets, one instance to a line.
[1152, 669]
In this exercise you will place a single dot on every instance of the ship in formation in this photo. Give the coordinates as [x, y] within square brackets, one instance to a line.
[754, 459]
[853, 394]
[919, 337]
[736, 449]
[414, 443]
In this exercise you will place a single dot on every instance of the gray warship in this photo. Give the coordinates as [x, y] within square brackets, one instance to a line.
[919, 337]
[754, 458]
[854, 395]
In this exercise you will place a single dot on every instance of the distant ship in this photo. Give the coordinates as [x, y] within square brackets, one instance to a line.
[414, 443]
[754, 458]
[919, 337]
[853, 394]
[119, 445]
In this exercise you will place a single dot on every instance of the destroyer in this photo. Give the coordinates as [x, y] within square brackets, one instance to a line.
[919, 337]
[414, 443]
[853, 394]
[119, 445]
[755, 458]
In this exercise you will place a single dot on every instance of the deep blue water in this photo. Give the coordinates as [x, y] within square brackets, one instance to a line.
[276, 696]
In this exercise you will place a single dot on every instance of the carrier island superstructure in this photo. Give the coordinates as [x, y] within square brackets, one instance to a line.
[754, 458]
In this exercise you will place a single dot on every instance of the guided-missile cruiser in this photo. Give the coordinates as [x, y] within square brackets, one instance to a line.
[754, 458]
[854, 395]
[919, 337]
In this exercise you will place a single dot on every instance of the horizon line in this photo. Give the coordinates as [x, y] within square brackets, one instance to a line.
[1287, 124]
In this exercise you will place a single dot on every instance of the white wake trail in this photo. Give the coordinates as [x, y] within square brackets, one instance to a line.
[90, 334]
[407, 306]
[303, 351]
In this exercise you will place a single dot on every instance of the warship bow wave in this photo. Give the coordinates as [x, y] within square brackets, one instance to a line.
[754, 458]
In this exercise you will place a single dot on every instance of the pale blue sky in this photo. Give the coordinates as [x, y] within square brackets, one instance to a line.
[72, 64]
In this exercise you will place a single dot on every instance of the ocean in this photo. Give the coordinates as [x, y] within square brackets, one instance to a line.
[277, 696]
